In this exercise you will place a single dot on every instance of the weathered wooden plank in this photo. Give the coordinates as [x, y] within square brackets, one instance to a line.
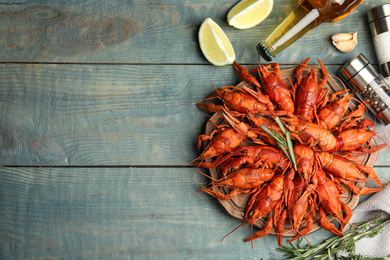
[104, 115]
[136, 213]
[111, 31]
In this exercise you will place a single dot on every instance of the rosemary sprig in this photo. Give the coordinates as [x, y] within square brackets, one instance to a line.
[283, 142]
[335, 244]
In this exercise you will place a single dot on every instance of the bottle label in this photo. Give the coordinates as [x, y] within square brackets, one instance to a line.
[304, 22]
[381, 42]
[387, 80]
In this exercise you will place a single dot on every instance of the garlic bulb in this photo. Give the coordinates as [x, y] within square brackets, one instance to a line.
[345, 41]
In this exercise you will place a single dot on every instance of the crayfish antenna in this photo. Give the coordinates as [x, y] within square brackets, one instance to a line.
[326, 57]
[197, 170]
[246, 222]
[212, 96]
[345, 240]
[204, 114]
[301, 235]
[380, 138]
[202, 99]
[340, 81]
[381, 180]
[196, 191]
[330, 55]
[252, 235]
[197, 158]
[210, 116]
[305, 238]
[192, 161]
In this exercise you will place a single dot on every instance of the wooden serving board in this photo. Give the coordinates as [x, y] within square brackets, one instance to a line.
[236, 206]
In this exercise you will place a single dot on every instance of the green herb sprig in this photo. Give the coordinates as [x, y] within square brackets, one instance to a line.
[283, 142]
[335, 244]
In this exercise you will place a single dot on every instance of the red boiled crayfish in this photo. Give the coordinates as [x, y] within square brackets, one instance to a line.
[305, 132]
[253, 155]
[329, 199]
[262, 202]
[242, 100]
[310, 133]
[308, 92]
[349, 172]
[353, 140]
[224, 139]
[299, 211]
[304, 156]
[332, 113]
[242, 181]
[273, 85]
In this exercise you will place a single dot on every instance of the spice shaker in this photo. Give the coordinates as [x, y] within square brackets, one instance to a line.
[370, 86]
[379, 19]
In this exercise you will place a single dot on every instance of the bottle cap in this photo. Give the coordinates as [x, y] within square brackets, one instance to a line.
[379, 12]
[264, 52]
[358, 72]
[385, 69]
[379, 19]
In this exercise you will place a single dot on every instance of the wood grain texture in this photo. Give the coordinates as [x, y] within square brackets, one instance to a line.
[105, 115]
[132, 213]
[113, 31]
[111, 84]
[102, 115]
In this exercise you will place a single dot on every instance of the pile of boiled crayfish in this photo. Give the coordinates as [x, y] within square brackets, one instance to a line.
[325, 137]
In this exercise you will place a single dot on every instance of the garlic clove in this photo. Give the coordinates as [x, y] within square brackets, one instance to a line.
[345, 46]
[339, 37]
[344, 42]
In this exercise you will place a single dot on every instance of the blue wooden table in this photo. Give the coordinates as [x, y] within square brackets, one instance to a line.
[97, 121]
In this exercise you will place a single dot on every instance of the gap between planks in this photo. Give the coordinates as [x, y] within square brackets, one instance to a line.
[119, 166]
[96, 166]
[145, 64]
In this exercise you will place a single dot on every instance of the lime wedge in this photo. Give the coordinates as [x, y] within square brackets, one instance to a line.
[214, 43]
[249, 13]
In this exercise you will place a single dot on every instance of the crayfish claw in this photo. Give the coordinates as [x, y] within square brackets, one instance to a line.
[209, 107]
[327, 225]
[261, 233]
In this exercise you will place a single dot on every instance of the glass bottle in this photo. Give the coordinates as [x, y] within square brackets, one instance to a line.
[306, 16]
[379, 18]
